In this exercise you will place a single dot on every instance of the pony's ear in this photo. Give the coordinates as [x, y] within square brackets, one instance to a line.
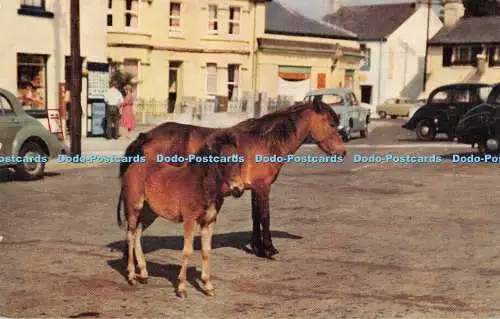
[317, 103]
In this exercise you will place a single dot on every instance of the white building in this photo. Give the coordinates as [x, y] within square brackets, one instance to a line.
[36, 47]
[393, 39]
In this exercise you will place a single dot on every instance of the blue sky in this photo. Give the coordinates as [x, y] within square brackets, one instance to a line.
[316, 9]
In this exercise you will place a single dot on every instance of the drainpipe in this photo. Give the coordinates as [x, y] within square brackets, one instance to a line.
[379, 71]
[253, 52]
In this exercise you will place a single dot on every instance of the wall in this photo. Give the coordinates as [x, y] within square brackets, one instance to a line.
[408, 46]
[50, 36]
[372, 76]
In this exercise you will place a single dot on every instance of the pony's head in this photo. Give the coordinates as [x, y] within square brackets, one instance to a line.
[324, 128]
[225, 158]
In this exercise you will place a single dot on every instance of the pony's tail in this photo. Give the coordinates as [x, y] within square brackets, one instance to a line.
[135, 148]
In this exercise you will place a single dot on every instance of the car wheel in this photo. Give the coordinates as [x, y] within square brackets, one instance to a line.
[426, 131]
[394, 117]
[346, 135]
[382, 114]
[32, 170]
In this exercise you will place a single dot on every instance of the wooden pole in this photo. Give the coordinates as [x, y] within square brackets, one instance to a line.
[427, 44]
[76, 82]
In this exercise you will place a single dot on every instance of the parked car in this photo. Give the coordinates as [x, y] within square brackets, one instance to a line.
[445, 106]
[24, 137]
[354, 116]
[418, 104]
[395, 107]
[481, 125]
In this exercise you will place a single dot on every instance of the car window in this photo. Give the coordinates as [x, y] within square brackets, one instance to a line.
[5, 107]
[494, 97]
[484, 92]
[442, 97]
[463, 96]
[332, 99]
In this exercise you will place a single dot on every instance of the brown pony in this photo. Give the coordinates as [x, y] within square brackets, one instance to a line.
[191, 194]
[277, 133]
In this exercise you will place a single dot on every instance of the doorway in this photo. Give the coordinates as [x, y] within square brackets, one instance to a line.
[366, 94]
[173, 84]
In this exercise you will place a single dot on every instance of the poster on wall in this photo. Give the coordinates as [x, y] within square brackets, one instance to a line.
[54, 121]
[98, 84]
[295, 89]
[98, 117]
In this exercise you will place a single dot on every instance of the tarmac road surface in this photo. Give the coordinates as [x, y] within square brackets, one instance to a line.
[357, 240]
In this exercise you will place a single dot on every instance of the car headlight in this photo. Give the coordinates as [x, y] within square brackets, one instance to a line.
[340, 127]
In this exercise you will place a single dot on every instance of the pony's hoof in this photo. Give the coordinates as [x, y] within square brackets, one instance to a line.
[181, 293]
[143, 280]
[132, 281]
[275, 257]
[210, 292]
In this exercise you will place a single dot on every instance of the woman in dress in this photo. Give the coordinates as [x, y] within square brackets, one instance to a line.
[127, 119]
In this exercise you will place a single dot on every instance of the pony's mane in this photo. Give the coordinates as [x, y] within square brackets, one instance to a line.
[215, 142]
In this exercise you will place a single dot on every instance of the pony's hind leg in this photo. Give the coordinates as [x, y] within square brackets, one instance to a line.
[139, 254]
[206, 245]
[189, 228]
[133, 225]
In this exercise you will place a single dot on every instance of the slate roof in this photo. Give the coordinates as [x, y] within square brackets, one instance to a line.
[469, 31]
[371, 22]
[281, 20]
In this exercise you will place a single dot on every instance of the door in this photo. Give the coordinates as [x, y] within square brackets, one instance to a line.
[366, 94]
[9, 126]
[173, 85]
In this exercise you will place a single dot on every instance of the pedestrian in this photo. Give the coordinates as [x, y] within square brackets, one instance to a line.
[67, 102]
[114, 100]
[128, 110]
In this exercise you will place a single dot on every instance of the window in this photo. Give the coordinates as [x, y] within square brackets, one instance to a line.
[39, 4]
[234, 20]
[463, 54]
[175, 16]
[5, 107]
[110, 13]
[441, 97]
[132, 13]
[211, 79]
[365, 62]
[213, 26]
[233, 81]
[34, 8]
[31, 80]
[332, 99]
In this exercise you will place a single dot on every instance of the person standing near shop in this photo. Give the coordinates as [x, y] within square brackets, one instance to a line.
[128, 118]
[113, 99]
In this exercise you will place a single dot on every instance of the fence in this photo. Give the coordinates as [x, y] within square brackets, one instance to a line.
[200, 111]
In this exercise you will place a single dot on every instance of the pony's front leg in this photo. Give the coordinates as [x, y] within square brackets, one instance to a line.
[207, 231]
[256, 240]
[130, 260]
[268, 248]
[189, 228]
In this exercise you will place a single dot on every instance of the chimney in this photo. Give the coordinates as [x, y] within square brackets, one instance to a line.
[453, 11]
[334, 5]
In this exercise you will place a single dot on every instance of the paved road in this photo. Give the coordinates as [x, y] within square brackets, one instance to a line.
[357, 240]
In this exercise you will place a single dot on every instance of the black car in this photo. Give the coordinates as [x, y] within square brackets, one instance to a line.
[444, 108]
[481, 125]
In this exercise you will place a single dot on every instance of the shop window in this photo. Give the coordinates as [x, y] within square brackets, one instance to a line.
[234, 20]
[175, 17]
[132, 13]
[211, 79]
[213, 25]
[233, 81]
[31, 81]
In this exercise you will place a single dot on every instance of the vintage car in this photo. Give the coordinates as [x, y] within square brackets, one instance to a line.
[481, 125]
[25, 145]
[395, 107]
[354, 116]
[445, 106]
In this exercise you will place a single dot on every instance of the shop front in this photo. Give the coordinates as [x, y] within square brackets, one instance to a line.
[294, 82]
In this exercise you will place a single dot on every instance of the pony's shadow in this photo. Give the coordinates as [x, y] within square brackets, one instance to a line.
[238, 240]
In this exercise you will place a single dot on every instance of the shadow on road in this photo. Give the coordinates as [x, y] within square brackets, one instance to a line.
[237, 240]
[416, 140]
[7, 175]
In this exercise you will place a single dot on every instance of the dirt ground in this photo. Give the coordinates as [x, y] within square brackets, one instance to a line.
[356, 241]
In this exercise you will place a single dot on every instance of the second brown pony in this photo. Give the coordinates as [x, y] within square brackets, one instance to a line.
[278, 133]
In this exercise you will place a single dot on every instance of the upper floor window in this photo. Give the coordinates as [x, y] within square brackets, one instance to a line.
[365, 62]
[175, 16]
[132, 13]
[211, 79]
[463, 54]
[234, 20]
[213, 25]
[34, 8]
[110, 13]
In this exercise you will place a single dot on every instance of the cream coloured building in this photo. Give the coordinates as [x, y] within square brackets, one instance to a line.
[222, 48]
[464, 50]
[36, 48]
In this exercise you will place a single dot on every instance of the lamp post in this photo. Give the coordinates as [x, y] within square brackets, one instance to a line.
[76, 81]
